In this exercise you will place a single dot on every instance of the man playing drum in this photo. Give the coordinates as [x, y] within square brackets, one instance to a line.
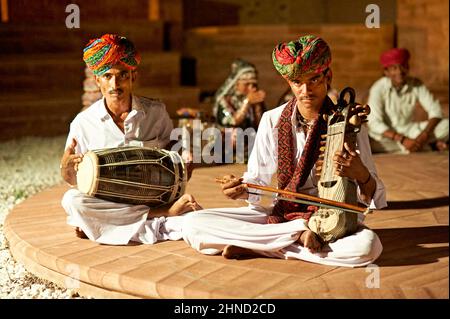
[287, 143]
[118, 119]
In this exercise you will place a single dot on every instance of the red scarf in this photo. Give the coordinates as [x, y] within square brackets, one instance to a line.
[291, 177]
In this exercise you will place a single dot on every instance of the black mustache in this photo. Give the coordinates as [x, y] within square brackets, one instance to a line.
[115, 91]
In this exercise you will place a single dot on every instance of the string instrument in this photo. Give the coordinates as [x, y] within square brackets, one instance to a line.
[343, 124]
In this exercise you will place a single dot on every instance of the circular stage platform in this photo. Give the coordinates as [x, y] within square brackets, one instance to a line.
[413, 230]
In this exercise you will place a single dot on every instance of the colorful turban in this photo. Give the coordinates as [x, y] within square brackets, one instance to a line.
[101, 54]
[309, 54]
[395, 56]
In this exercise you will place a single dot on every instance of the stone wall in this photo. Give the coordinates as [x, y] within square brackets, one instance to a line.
[423, 28]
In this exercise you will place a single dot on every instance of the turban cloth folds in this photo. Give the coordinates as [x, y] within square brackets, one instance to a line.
[309, 54]
[103, 53]
[395, 56]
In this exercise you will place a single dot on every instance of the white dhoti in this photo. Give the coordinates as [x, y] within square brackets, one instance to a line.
[115, 223]
[210, 230]
[379, 143]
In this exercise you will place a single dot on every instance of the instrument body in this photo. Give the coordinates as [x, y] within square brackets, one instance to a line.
[133, 175]
[343, 125]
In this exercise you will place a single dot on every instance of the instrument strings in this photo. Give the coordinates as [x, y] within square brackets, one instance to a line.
[335, 141]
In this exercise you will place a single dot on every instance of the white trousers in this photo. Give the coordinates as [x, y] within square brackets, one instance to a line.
[380, 143]
[115, 223]
[210, 230]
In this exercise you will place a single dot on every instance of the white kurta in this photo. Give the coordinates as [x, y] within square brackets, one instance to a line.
[209, 231]
[148, 124]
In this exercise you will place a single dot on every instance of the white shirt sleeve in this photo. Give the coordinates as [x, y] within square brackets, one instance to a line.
[365, 153]
[430, 104]
[262, 161]
[376, 117]
[76, 133]
[166, 126]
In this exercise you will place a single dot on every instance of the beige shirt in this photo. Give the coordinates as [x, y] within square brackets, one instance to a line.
[392, 109]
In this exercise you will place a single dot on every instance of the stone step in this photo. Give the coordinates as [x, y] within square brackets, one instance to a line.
[43, 113]
[37, 114]
[355, 51]
[51, 10]
[66, 72]
[50, 38]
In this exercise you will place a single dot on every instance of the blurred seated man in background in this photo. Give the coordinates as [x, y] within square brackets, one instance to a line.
[393, 100]
[239, 102]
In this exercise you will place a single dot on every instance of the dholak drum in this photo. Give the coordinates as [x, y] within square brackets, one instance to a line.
[133, 175]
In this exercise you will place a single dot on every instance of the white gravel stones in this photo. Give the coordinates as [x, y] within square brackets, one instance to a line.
[27, 166]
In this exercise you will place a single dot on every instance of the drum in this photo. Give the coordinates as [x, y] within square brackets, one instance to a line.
[133, 175]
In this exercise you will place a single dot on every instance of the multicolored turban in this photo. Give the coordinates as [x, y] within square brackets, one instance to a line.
[309, 54]
[395, 56]
[101, 54]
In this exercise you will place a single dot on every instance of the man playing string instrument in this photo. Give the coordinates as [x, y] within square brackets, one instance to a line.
[287, 143]
[119, 119]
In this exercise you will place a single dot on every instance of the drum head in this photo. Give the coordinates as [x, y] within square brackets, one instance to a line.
[87, 175]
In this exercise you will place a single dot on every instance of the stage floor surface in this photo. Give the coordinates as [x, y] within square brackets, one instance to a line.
[413, 230]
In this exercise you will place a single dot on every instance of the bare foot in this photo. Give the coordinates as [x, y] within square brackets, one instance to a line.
[184, 204]
[234, 252]
[310, 240]
[79, 233]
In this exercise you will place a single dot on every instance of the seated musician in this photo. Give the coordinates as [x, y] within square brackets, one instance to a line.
[239, 102]
[393, 100]
[120, 118]
[293, 131]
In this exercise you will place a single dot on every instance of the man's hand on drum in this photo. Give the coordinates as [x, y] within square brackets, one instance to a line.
[69, 163]
[232, 187]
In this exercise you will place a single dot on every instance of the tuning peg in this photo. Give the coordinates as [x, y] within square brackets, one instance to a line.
[355, 120]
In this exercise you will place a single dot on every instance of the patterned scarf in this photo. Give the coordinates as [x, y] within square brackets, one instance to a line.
[291, 177]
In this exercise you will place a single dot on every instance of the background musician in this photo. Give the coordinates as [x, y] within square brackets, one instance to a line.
[393, 99]
[118, 119]
[287, 143]
[239, 102]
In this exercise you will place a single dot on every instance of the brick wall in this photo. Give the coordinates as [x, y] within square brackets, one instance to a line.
[423, 28]
[355, 50]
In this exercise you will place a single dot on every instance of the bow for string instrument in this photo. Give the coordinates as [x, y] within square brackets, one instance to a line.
[342, 126]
